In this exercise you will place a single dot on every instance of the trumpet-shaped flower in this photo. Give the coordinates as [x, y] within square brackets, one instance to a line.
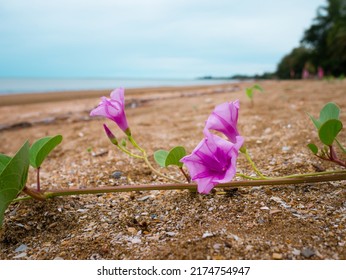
[213, 161]
[224, 119]
[114, 109]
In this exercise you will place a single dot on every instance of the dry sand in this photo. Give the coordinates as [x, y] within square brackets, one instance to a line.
[278, 222]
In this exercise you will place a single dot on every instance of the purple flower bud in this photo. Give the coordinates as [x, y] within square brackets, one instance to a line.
[224, 119]
[113, 109]
[110, 135]
[213, 161]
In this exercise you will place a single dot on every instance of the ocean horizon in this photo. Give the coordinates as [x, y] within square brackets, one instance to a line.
[45, 85]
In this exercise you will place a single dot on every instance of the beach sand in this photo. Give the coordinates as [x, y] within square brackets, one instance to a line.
[249, 223]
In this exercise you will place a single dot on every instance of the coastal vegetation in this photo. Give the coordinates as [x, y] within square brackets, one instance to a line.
[323, 45]
[322, 49]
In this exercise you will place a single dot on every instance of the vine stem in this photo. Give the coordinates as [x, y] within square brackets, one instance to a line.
[244, 151]
[334, 157]
[38, 178]
[342, 148]
[134, 143]
[158, 172]
[145, 158]
[293, 175]
[309, 174]
[187, 177]
[128, 152]
[181, 186]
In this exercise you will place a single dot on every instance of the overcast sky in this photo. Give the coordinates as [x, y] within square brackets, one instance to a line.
[149, 38]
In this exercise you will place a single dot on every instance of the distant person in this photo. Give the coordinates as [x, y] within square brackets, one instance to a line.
[292, 74]
[305, 74]
[320, 73]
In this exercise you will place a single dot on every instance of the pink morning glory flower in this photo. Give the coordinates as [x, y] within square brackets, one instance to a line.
[213, 161]
[224, 119]
[113, 109]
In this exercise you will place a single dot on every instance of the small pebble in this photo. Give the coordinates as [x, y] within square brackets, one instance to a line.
[277, 256]
[207, 234]
[21, 248]
[116, 174]
[296, 252]
[267, 130]
[132, 230]
[21, 255]
[170, 233]
[248, 247]
[144, 198]
[153, 216]
[286, 148]
[99, 154]
[274, 211]
[135, 240]
[308, 252]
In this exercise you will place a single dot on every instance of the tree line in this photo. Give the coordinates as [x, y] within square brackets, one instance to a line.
[322, 49]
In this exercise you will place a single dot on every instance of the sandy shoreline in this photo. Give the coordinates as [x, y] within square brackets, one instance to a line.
[26, 110]
[31, 98]
[285, 222]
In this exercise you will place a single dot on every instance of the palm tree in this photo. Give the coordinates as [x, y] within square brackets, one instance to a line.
[327, 37]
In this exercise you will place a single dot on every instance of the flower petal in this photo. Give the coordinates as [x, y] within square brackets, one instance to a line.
[205, 185]
[100, 110]
[118, 94]
[214, 159]
[113, 109]
[224, 119]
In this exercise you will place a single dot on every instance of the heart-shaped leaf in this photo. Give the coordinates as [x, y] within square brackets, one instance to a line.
[249, 93]
[41, 148]
[316, 122]
[160, 157]
[258, 87]
[329, 130]
[313, 148]
[329, 112]
[4, 160]
[175, 155]
[13, 178]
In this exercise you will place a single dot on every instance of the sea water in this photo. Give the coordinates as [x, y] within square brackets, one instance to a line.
[39, 85]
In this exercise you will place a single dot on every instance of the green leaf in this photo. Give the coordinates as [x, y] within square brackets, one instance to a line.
[316, 123]
[313, 148]
[13, 178]
[249, 93]
[41, 148]
[258, 87]
[4, 160]
[329, 112]
[329, 130]
[160, 157]
[175, 155]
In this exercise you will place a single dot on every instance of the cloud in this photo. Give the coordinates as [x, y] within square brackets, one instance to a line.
[162, 35]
